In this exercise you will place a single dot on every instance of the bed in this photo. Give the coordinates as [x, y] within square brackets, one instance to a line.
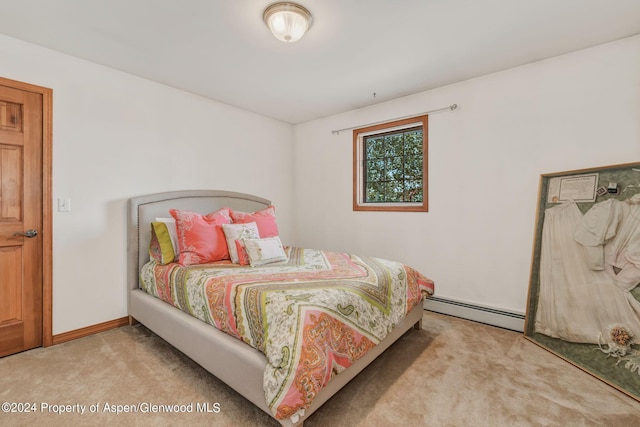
[210, 347]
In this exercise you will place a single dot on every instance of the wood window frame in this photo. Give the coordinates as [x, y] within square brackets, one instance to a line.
[358, 166]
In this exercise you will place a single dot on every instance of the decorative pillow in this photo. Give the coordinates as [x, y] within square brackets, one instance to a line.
[264, 219]
[200, 237]
[264, 251]
[173, 233]
[233, 232]
[243, 257]
[160, 247]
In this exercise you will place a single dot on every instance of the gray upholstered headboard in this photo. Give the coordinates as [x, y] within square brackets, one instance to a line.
[144, 209]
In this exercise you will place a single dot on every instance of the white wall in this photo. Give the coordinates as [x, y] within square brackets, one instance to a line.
[116, 136]
[574, 111]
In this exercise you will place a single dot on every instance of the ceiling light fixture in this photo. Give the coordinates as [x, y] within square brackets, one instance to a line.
[287, 21]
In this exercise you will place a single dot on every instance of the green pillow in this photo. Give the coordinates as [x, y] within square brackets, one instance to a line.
[161, 248]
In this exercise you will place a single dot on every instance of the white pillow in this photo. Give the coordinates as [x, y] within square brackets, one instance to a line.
[233, 232]
[264, 251]
[173, 233]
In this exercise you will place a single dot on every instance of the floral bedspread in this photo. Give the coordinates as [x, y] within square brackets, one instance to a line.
[312, 316]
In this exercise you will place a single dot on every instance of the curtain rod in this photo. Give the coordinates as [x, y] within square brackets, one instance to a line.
[450, 108]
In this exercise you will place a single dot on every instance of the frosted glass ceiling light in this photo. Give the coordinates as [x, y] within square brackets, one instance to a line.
[287, 21]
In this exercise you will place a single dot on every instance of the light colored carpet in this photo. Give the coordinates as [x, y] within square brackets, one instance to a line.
[452, 373]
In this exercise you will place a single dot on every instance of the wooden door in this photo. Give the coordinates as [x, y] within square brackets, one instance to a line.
[21, 212]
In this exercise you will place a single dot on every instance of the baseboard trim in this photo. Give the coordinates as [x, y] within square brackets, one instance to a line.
[488, 315]
[491, 316]
[90, 330]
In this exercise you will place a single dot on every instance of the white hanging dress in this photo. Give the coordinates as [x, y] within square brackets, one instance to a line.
[576, 302]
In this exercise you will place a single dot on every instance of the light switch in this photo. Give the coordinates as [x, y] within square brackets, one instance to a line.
[64, 204]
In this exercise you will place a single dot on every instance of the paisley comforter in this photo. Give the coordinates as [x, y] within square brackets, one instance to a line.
[312, 316]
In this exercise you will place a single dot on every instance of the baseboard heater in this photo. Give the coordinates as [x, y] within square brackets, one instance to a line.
[491, 316]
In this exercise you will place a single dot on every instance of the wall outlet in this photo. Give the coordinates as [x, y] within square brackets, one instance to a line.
[64, 204]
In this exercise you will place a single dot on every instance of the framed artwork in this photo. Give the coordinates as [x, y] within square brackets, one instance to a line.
[584, 298]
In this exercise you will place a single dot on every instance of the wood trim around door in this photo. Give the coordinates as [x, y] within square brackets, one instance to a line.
[47, 207]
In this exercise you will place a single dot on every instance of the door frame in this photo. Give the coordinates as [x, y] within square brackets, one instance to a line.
[47, 206]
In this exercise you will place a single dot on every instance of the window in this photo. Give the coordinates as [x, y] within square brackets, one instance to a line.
[390, 166]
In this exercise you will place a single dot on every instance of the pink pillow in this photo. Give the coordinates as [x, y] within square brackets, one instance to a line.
[243, 257]
[264, 219]
[200, 237]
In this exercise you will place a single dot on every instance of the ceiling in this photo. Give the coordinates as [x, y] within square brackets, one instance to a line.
[222, 50]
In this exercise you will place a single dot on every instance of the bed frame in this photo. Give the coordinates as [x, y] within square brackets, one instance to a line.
[203, 343]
